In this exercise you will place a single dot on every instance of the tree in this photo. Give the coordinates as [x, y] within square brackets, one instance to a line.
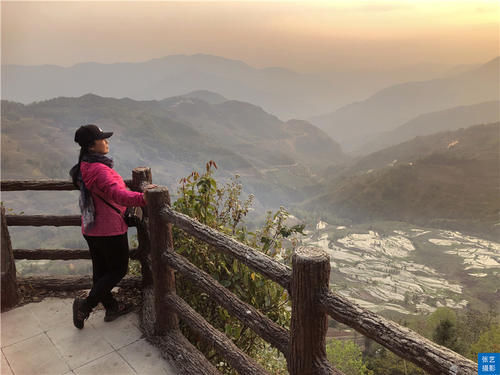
[441, 313]
[445, 334]
[488, 342]
[470, 326]
[346, 356]
[383, 362]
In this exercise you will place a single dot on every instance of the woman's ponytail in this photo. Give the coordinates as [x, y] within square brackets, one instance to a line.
[75, 171]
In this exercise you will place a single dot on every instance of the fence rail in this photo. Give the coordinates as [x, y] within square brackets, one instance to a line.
[250, 316]
[306, 282]
[49, 185]
[71, 282]
[60, 254]
[221, 343]
[402, 341]
[44, 220]
[257, 261]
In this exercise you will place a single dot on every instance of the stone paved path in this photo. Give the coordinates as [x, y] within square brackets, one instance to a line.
[39, 338]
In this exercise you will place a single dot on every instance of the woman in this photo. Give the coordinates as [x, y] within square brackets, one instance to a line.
[103, 200]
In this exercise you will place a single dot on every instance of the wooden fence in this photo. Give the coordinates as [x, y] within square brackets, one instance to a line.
[307, 283]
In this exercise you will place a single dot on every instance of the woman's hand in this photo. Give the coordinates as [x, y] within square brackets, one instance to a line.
[146, 188]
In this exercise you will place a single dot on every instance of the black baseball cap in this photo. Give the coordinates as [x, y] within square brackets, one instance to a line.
[86, 134]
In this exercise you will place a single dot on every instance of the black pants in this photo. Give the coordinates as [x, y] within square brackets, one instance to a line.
[109, 265]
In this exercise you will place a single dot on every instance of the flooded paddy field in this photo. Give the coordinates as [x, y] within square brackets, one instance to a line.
[401, 268]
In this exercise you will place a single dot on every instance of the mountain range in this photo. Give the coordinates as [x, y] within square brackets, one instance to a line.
[278, 90]
[428, 123]
[283, 92]
[174, 136]
[448, 179]
[359, 123]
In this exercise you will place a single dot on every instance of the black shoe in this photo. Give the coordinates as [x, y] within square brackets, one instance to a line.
[119, 309]
[81, 312]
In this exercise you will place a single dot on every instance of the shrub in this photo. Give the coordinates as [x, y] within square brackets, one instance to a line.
[221, 208]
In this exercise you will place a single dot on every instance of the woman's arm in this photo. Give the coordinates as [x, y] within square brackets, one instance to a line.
[116, 192]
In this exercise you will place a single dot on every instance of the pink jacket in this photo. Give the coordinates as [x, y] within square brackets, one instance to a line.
[105, 181]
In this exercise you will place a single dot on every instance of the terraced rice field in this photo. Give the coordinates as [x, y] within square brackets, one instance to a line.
[384, 270]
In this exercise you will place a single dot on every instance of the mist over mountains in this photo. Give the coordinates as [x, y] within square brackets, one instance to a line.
[358, 123]
[278, 90]
[428, 123]
[282, 92]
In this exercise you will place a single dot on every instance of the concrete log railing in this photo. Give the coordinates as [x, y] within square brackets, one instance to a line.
[250, 316]
[222, 344]
[140, 177]
[400, 340]
[404, 342]
[303, 347]
[311, 275]
[21, 185]
[71, 282]
[257, 261]
[10, 295]
[60, 254]
[160, 317]
[43, 220]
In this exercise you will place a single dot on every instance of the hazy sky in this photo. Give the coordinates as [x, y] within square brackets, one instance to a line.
[306, 36]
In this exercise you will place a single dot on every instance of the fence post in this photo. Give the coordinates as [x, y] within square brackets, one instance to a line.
[141, 177]
[10, 296]
[310, 276]
[160, 233]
